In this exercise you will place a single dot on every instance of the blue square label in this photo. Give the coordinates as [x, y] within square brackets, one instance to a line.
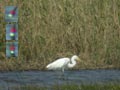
[11, 14]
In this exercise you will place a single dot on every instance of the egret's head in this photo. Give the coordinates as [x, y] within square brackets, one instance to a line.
[76, 58]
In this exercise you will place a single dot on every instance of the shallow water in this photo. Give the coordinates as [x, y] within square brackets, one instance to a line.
[40, 78]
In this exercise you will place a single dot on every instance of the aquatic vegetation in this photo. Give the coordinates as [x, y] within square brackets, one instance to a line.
[73, 87]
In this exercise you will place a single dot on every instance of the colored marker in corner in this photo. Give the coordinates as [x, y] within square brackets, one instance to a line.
[12, 31]
[12, 49]
[12, 12]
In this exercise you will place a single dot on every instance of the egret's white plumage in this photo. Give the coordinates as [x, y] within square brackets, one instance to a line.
[63, 63]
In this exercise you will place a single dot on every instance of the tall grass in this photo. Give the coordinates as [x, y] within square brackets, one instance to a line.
[49, 29]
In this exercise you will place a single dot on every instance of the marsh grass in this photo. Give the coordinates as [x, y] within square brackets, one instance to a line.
[73, 87]
[49, 29]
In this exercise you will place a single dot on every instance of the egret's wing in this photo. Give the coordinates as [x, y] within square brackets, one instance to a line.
[58, 64]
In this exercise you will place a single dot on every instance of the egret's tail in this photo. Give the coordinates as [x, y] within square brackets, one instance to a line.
[47, 66]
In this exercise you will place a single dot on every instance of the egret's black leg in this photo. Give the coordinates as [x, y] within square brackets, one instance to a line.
[63, 74]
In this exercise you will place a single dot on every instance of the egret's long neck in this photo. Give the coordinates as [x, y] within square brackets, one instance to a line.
[70, 65]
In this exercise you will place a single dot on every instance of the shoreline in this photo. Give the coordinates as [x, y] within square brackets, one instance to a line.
[2, 71]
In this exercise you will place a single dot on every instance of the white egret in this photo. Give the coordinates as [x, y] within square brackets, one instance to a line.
[63, 63]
